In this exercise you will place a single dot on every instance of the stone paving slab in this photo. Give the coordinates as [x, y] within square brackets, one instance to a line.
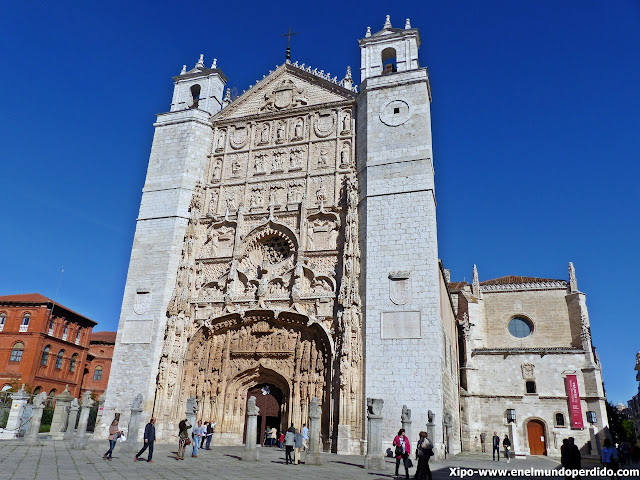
[56, 461]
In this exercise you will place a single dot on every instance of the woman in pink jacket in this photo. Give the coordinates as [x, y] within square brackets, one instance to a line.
[401, 442]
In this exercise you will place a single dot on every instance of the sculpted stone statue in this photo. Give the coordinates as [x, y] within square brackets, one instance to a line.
[137, 402]
[405, 416]
[431, 416]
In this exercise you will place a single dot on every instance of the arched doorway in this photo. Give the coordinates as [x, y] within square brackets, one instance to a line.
[536, 437]
[270, 401]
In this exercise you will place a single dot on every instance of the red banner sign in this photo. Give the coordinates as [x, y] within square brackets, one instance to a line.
[574, 402]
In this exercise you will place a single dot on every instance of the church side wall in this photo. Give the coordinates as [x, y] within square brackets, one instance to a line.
[178, 155]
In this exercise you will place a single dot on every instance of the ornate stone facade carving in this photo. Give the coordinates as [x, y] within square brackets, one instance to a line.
[267, 287]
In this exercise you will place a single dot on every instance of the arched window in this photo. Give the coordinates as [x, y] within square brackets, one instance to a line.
[78, 335]
[389, 60]
[24, 326]
[97, 373]
[45, 356]
[16, 352]
[195, 94]
[559, 417]
[65, 331]
[3, 318]
[37, 390]
[72, 362]
[59, 359]
[52, 393]
[531, 386]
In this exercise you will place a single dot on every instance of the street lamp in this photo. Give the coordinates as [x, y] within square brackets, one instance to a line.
[592, 417]
[511, 415]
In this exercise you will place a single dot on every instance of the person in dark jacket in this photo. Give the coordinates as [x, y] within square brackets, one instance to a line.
[574, 454]
[506, 443]
[149, 438]
[496, 446]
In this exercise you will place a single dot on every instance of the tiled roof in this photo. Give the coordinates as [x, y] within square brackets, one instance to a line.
[516, 279]
[103, 337]
[39, 299]
[457, 286]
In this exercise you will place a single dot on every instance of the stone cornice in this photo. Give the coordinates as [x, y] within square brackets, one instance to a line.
[523, 350]
[519, 287]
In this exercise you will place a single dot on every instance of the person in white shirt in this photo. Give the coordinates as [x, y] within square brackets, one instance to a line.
[305, 437]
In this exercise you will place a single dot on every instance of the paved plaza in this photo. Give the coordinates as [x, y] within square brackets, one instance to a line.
[56, 461]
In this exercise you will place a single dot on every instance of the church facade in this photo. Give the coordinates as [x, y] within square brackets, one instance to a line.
[286, 248]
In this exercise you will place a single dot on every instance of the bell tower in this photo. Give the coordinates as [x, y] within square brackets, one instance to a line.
[181, 144]
[401, 281]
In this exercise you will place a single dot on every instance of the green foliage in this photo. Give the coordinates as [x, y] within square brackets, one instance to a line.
[45, 428]
[47, 417]
[4, 418]
[616, 428]
[629, 430]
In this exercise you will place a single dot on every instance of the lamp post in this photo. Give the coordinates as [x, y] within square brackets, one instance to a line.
[511, 415]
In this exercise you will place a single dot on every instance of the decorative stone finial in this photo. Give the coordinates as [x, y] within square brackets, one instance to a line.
[407, 25]
[475, 288]
[387, 22]
[347, 81]
[184, 70]
[215, 63]
[573, 281]
[368, 34]
[200, 63]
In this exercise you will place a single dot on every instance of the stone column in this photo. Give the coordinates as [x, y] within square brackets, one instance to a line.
[71, 421]
[60, 414]
[374, 459]
[31, 438]
[79, 442]
[313, 456]
[132, 443]
[596, 448]
[512, 428]
[100, 407]
[18, 404]
[431, 426]
[191, 413]
[250, 452]
[405, 417]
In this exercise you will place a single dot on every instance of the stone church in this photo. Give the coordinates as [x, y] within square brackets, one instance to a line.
[286, 247]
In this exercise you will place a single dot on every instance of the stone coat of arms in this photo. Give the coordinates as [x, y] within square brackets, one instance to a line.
[400, 287]
[142, 303]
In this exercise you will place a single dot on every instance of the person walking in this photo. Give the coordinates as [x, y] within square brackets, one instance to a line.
[496, 446]
[289, 442]
[197, 432]
[305, 437]
[183, 438]
[274, 436]
[149, 438]
[114, 434]
[298, 442]
[401, 442]
[574, 455]
[506, 443]
[209, 433]
[281, 441]
[424, 451]
[610, 458]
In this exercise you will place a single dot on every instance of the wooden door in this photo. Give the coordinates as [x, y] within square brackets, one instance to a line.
[535, 433]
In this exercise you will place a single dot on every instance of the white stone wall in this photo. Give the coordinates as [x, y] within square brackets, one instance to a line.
[178, 156]
[399, 234]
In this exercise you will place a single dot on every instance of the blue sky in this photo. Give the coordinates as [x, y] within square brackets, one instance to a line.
[535, 123]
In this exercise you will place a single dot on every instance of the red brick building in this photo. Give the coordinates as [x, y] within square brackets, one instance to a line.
[96, 372]
[42, 344]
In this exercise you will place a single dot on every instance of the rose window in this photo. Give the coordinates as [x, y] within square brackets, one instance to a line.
[275, 250]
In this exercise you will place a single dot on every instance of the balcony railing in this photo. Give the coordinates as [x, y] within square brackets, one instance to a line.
[24, 328]
[64, 336]
[1, 326]
[77, 340]
[51, 331]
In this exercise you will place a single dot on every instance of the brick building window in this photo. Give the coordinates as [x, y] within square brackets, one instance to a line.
[59, 359]
[52, 325]
[531, 386]
[3, 318]
[559, 418]
[37, 390]
[72, 362]
[97, 373]
[16, 352]
[45, 356]
[65, 332]
[24, 326]
[78, 336]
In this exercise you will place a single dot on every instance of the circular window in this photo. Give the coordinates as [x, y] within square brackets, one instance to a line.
[520, 327]
[275, 250]
[395, 113]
